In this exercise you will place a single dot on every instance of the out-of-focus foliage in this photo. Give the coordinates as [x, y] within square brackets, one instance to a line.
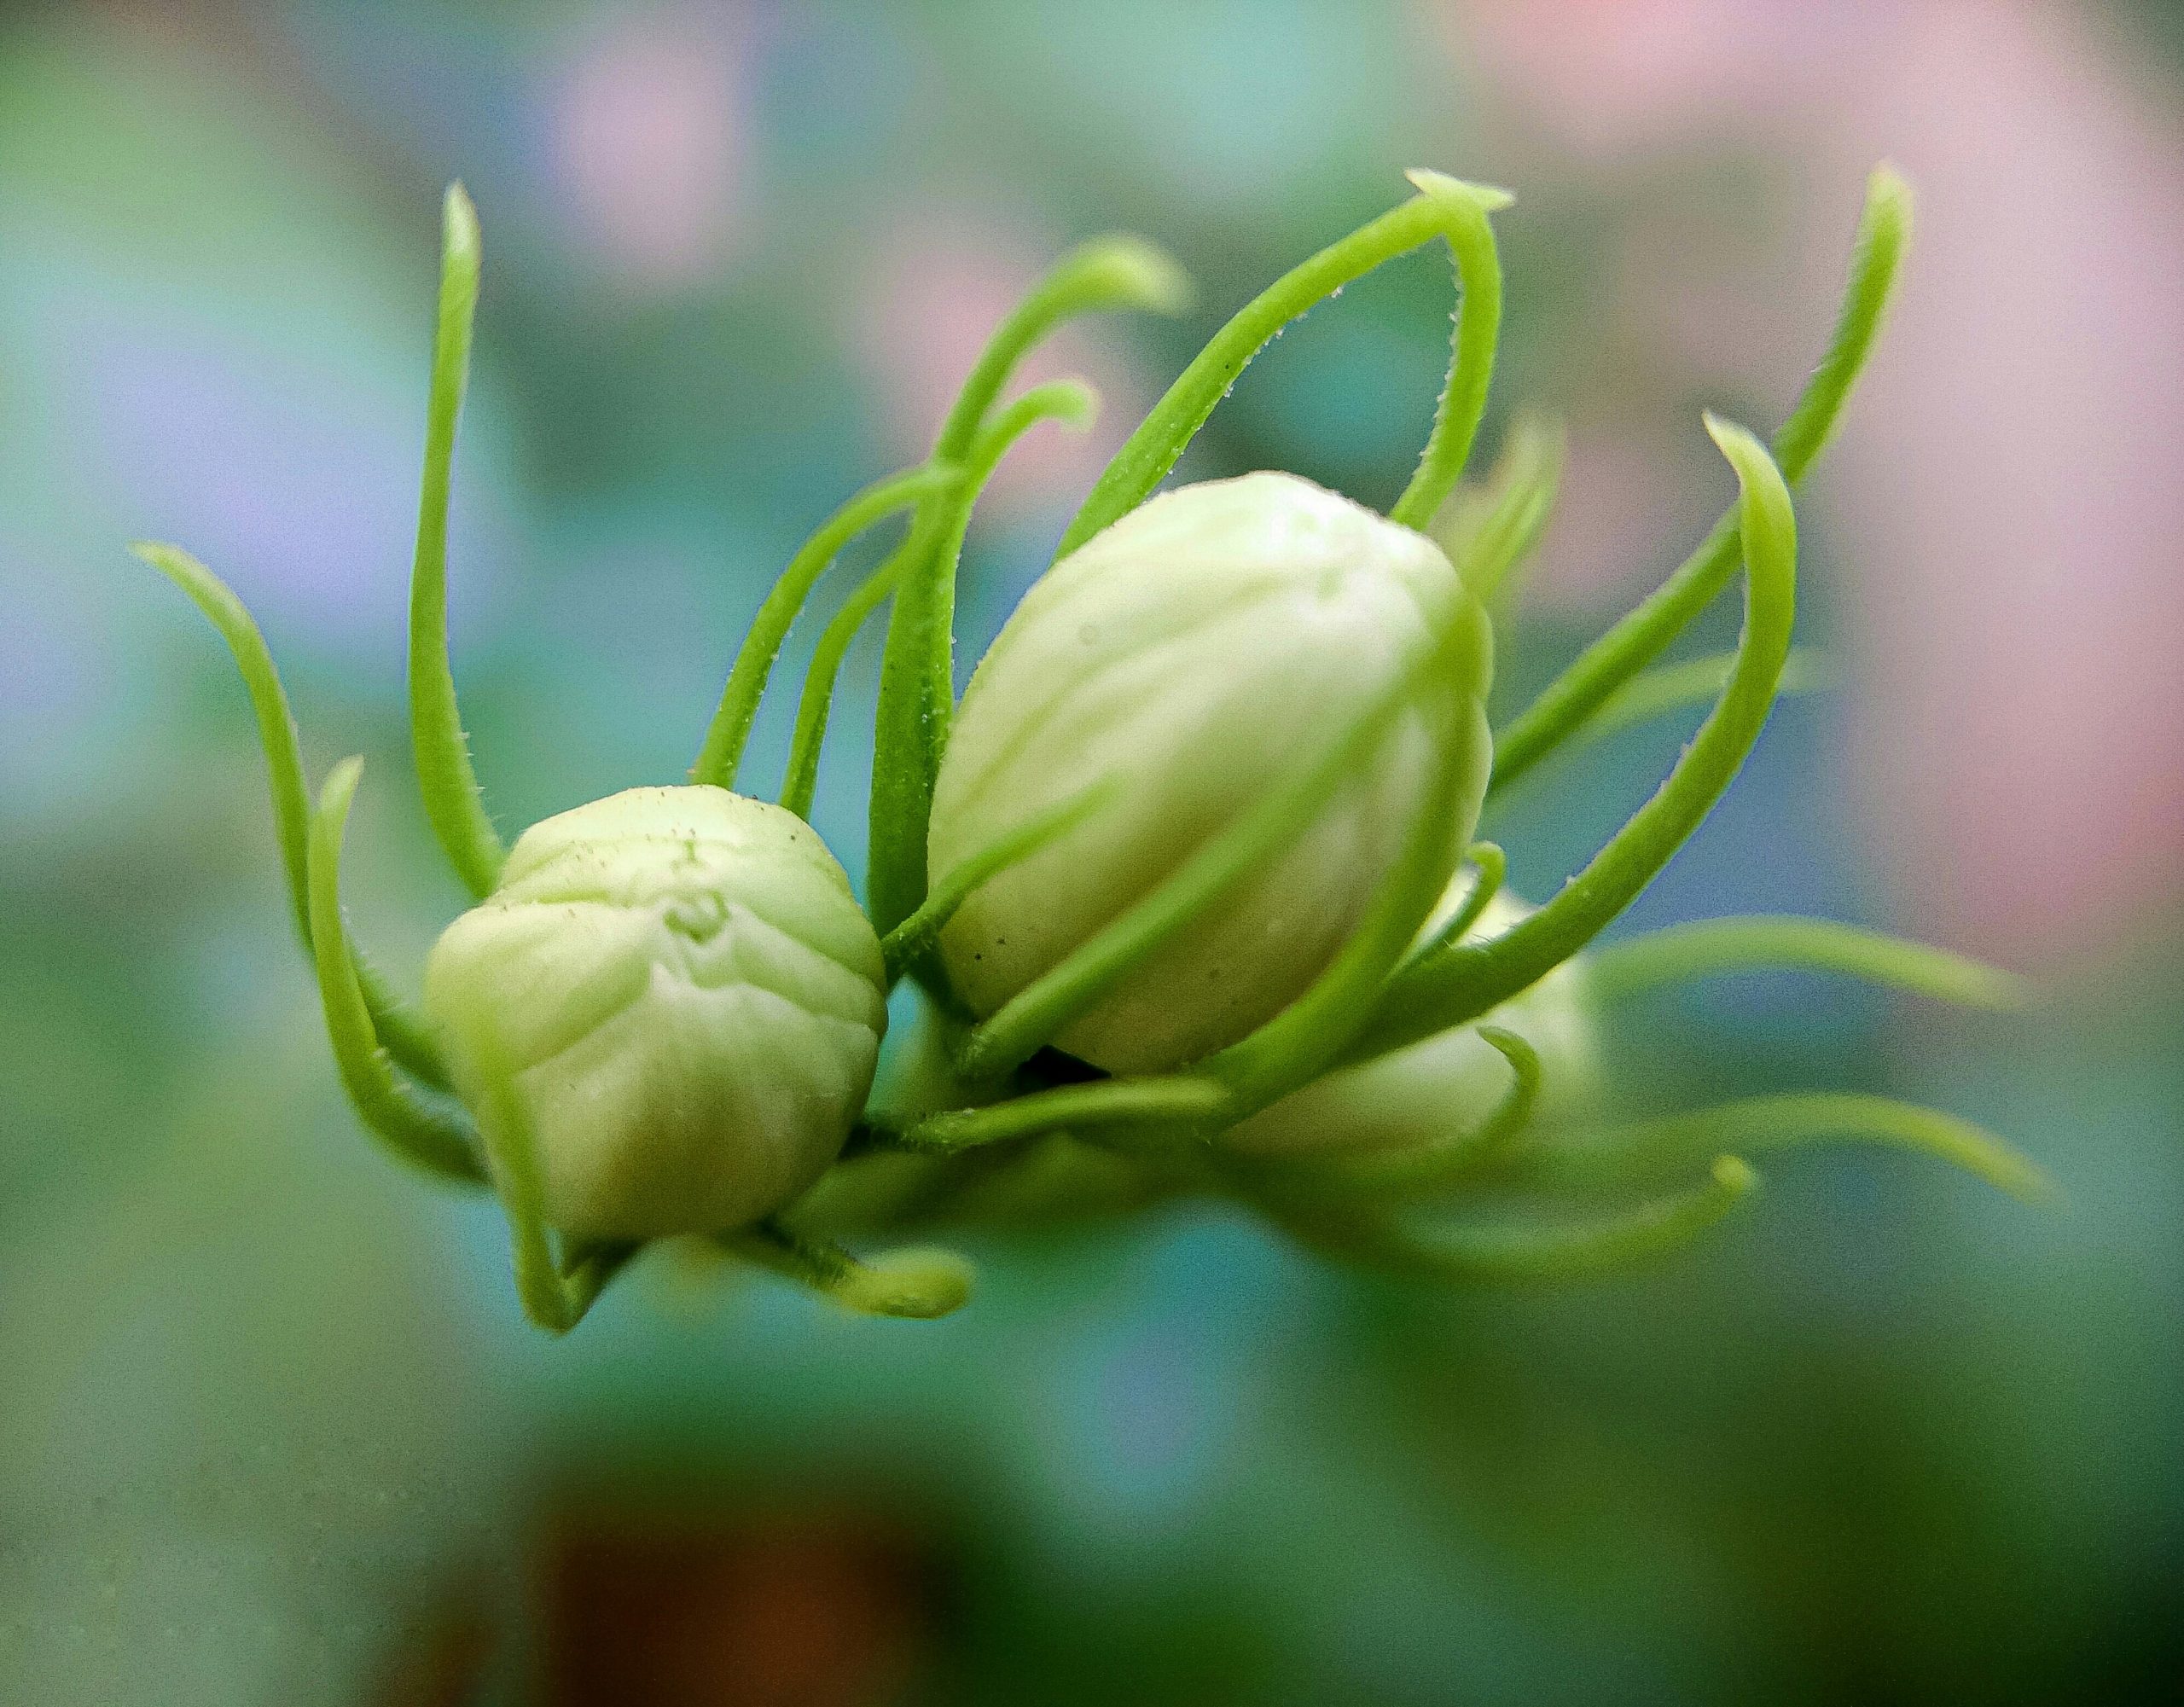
[274, 1430]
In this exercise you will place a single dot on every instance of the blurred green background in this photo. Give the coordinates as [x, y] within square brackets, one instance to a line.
[273, 1429]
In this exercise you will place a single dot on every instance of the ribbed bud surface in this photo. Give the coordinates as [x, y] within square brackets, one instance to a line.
[689, 998]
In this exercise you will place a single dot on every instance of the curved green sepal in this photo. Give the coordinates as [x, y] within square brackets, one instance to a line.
[908, 941]
[916, 684]
[722, 753]
[1295, 1046]
[1668, 687]
[422, 1132]
[403, 1035]
[1444, 207]
[453, 801]
[903, 773]
[1493, 868]
[1782, 1121]
[800, 784]
[556, 1290]
[1115, 273]
[1491, 532]
[1463, 980]
[1441, 1164]
[1188, 1104]
[1708, 947]
[1665, 689]
[1544, 1250]
[1884, 234]
[918, 1284]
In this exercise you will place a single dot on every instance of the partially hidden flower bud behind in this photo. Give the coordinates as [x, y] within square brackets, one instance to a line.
[688, 998]
[1445, 1087]
[1194, 656]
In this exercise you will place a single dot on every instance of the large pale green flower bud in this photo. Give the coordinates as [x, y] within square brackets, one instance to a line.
[1447, 1086]
[1194, 656]
[687, 1001]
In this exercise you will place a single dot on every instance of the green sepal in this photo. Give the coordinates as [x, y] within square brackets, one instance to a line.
[1444, 207]
[917, 1283]
[1462, 980]
[721, 753]
[1709, 948]
[1782, 1120]
[445, 776]
[916, 688]
[1576, 695]
[405, 1036]
[426, 1131]
[1529, 1250]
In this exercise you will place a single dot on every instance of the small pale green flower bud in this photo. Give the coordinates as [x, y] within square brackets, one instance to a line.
[1195, 655]
[690, 1001]
[1446, 1086]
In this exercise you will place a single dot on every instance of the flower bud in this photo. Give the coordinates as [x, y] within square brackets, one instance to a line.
[686, 999]
[1444, 1086]
[1193, 656]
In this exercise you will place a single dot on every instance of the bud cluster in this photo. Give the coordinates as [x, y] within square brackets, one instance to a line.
[1186, 883]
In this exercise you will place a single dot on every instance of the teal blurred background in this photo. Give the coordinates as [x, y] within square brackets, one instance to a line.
[273, 1429]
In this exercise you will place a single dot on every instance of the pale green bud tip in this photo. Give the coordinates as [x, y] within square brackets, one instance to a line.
[1764, 504]
[1129, 272]
[171, 560]
[1889, 194]
[919, 1284]
[459, 233]
[1734, 1177]
[687, 1001]
[1071, 401]
[1486, 197]
[1751, 459]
